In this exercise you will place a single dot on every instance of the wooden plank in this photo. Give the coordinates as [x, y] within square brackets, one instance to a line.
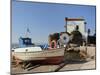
[30, 68]
[59, 67]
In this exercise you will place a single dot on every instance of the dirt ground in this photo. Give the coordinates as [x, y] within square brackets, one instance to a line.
[89, 64]
[51, 68]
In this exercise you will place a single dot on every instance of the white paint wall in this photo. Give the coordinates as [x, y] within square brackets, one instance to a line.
[72, 24]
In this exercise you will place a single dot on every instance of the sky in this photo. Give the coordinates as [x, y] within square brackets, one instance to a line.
[43, 19]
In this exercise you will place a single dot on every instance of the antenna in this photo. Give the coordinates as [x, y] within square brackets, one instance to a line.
[27, 32]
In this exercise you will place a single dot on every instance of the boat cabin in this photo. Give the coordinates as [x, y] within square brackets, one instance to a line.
[25, 42]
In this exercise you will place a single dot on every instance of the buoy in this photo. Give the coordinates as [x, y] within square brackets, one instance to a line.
[53, 44]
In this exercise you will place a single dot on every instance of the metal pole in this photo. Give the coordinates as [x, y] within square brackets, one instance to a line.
[86, 42]
[66, 24]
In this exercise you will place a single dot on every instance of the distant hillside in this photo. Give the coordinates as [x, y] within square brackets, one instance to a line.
[16, 45]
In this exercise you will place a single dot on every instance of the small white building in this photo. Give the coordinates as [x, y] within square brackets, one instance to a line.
[71, 24]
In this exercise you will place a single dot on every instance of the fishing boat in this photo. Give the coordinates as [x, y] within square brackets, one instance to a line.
[27, 51]
[46, 56]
